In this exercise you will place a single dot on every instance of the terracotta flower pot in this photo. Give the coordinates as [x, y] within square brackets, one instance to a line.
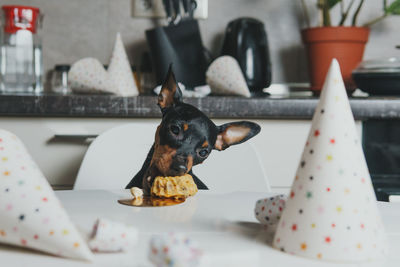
[346, 44]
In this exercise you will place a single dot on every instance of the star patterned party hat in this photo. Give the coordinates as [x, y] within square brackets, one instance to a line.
[225, 77]
[89, 76]
[31, 215]
[331, 213]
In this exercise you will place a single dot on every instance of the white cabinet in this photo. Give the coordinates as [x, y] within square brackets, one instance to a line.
[59, 158]
[279, 144]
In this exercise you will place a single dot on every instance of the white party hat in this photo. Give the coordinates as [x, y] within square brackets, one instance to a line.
[120, 71]
[331, 213]
[225, 77]
[89, 76]
[31, 215]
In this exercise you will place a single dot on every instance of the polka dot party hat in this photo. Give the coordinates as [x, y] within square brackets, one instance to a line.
[331, 213]
[225, 77]
[31, 215]
[89, 76]
[120, 71]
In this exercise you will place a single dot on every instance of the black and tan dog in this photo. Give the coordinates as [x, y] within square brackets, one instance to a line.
[185, 138]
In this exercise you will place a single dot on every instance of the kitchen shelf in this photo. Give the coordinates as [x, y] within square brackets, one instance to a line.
[52, 105]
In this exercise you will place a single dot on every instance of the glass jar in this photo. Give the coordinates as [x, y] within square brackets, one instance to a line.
[21, 65]
[59, 81]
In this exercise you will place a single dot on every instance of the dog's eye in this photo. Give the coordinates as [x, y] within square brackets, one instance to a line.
[203, 153]
[174, 129]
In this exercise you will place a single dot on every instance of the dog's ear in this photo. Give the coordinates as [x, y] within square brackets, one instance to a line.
[235, 133]
[170, 93]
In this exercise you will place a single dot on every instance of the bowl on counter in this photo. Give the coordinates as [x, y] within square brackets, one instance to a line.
[378, 76]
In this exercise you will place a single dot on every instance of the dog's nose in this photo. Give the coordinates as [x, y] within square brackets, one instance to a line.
[182, 168]
[179, 168]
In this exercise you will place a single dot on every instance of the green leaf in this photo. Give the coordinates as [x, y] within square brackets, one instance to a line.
[393, 8]
[327, 3]
[332, 3]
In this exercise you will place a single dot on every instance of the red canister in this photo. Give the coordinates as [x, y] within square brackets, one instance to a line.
[21, 67]
[20, 18]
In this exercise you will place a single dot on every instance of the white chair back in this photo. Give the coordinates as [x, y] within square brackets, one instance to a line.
[115, 156]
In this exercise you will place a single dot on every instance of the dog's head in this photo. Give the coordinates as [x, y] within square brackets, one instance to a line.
[186, 136]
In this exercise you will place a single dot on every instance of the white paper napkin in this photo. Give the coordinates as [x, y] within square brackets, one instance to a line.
[198, 91]
[110, 236]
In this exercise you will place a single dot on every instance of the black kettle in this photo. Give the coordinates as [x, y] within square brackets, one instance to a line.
[246, 41]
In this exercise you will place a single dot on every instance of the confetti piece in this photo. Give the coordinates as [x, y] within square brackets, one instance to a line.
[269, 210]
[111, 236]
[173, 250]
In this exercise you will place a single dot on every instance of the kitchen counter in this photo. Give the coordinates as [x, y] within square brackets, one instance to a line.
[51, 105]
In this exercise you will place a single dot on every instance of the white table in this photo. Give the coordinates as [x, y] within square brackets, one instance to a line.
[223, 225]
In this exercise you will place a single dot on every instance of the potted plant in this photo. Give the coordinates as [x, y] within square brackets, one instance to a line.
[345, 43]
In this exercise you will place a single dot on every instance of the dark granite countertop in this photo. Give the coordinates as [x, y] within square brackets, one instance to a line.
[50, 105]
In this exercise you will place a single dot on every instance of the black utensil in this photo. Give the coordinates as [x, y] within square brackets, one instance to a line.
[167, 8]
[177, 11]
[192, 8]
[186, 6]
